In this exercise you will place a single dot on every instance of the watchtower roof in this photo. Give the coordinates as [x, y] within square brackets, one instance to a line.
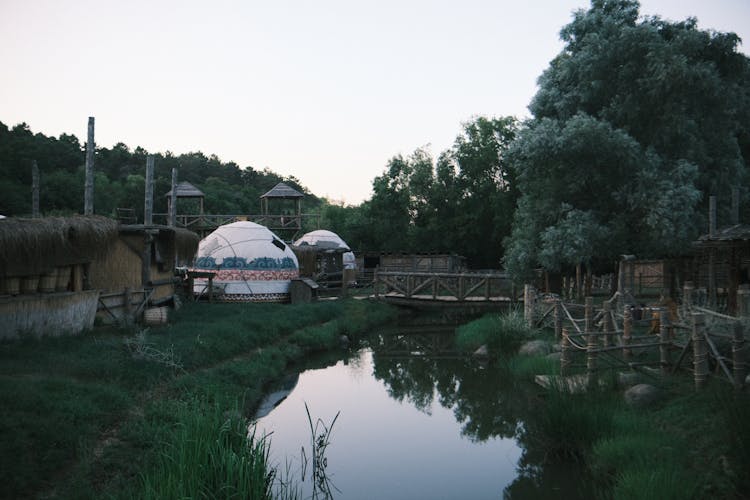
[186, 190]
[282, 190]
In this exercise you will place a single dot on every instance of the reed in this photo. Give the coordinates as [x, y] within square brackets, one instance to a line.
[501, 333]
[208, 455]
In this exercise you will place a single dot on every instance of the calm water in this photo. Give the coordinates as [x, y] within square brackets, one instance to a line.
[415, 420]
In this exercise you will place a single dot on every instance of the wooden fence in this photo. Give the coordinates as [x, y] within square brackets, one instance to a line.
[609, 337]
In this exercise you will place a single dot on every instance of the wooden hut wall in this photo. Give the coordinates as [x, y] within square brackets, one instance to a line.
[120, 267]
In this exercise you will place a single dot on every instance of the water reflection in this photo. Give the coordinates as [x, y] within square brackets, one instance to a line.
[417, 420]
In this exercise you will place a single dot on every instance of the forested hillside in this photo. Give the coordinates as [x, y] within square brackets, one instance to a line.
[119, 177]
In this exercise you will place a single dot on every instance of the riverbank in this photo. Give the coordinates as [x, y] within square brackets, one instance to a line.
[88, 416]
[688, 445]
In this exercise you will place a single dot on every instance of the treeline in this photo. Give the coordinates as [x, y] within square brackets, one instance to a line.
[635, 124]
[120, 177]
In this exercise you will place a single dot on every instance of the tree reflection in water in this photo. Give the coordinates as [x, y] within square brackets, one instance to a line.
[486, 401]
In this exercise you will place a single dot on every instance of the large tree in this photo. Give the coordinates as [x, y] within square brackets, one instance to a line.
[635, 122]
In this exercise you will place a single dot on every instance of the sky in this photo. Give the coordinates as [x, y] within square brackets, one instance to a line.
[326, 91]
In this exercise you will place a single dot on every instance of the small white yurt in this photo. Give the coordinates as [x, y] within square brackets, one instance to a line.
[324, 239]
[251, 264]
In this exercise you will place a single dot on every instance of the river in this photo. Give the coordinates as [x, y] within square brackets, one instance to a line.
[410, 418]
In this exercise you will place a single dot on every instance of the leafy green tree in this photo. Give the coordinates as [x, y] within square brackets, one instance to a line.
[635, 122]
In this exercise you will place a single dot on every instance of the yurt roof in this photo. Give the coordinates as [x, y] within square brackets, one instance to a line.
[243, 240]
[186, 190]
[282, 190]
[322, 238]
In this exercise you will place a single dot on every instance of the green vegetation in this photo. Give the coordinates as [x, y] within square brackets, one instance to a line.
[500, 332]
[87, 416]
[691, 445]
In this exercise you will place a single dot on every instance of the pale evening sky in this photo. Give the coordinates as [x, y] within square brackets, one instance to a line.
[326, 91]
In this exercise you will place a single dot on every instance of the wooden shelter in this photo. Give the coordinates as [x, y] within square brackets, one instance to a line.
[186, 190]
[281, 211]
[723, 264]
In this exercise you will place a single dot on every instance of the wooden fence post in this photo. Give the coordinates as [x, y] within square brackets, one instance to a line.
[700, 351]
[564, 353]
[589, 315]
[173, 200]
[663, 340]
[687, 297]
[743, 301]
[375, 284]
[528, 305]
[739, 362]
[558, 319]
[590, 341]
[607, 324]
[627, 333]
[128, 311]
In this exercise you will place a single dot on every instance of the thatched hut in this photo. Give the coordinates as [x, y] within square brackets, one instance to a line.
[723, 264]
[56, 272]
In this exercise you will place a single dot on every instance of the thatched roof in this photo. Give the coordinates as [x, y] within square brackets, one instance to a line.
[186, 190]
[185, 241]
[736, 235]
[282, 190]
[37, 246]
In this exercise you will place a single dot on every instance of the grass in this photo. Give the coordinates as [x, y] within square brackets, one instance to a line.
[85, 416]
[500, 332]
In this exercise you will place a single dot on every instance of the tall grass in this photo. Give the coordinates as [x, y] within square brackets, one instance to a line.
[208, 455]
[500, 332]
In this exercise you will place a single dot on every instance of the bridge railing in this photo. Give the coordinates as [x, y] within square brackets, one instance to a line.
[443, 286]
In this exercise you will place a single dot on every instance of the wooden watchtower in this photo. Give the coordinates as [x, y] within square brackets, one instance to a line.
[186, 190]
[281, 211]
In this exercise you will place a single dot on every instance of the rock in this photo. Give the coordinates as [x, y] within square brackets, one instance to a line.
[642, 395]
[628, 379]
[554, 356]
[535, 348]
[482, 353]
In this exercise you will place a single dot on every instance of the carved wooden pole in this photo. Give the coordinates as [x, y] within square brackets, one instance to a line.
[700, 351]
[148, 211]
[88, 194]
[34, 189]
[173, 200]
[663, 340]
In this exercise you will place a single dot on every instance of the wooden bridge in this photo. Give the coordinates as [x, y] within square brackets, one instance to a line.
[466, 289]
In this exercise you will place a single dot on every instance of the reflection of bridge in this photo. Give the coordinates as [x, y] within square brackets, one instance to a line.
[417, 342]
[467, 289]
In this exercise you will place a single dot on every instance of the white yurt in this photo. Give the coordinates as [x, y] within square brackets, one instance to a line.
[324, 239]
[251, 264]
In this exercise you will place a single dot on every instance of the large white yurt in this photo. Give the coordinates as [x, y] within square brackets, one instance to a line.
[251, 264]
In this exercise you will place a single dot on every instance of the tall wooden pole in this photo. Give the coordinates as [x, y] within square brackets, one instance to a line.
[88, 196]
[34, 189]
[173, 200]
[148, 212]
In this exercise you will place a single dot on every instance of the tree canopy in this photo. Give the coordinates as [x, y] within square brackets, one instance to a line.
[635, 123]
